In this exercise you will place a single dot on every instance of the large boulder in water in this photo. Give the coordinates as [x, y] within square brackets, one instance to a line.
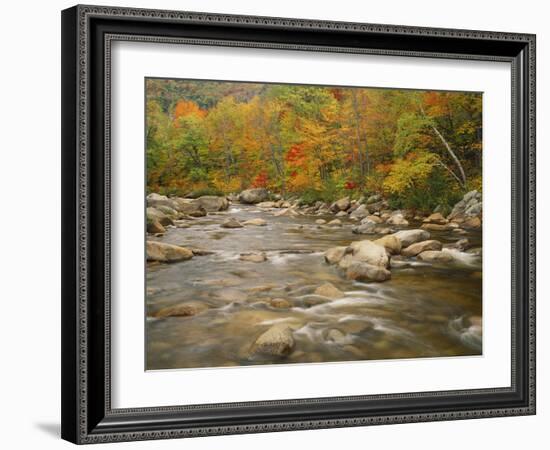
[277, 341]
[362, 260]
[155, 215]
[161, 252]
[155, 200]
[212, 203]
[168, 211]
[419, 247]
[189, 207]
[408, 237]
[369, 252]
[253, 196]
[361, 271]
[335, 254]
[390, 243]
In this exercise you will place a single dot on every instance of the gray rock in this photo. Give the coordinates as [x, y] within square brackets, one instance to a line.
[469, 206]
[252, 196]
[366, 227]
[360, 213]
[212, 203]
[474, 210]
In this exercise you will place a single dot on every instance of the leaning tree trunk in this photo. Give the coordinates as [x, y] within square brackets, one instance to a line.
[449, 150]
[453, 155]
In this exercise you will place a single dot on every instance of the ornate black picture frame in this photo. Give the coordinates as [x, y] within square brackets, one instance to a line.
[87, 34]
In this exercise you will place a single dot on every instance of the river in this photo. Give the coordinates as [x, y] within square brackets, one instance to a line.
[423, 311]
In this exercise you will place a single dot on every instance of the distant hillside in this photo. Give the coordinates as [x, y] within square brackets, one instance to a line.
[168, 92]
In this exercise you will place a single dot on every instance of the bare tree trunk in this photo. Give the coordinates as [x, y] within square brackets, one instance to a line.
[450, 151]
[448, 148]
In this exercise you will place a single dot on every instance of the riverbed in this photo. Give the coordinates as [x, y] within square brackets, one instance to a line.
[422, 311]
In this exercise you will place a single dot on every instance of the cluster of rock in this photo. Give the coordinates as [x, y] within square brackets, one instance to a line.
[368, 260]
[163, 211]
[372, 213]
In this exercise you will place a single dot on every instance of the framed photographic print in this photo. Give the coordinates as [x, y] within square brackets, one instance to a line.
[281, 224]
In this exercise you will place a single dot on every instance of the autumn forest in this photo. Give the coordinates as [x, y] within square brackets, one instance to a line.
[420, 149]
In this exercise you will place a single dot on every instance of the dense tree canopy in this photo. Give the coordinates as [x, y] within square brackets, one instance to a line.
[419, 148]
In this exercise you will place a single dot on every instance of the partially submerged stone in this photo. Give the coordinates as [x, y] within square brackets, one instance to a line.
[184, 309]
[335, 254]
[253, 257]
[419, 247]
[435, 256]
[329, 290]
[276, 341]
[408, 237]
[361, 271]
[162, 252]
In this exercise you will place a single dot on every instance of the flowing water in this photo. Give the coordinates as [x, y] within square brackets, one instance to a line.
[423, 311]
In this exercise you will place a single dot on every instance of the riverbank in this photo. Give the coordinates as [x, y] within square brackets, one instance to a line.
[281, 282]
